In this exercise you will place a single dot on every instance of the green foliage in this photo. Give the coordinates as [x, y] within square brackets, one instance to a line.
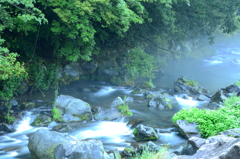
[43, 75]
[140, 64]
[146, 154]
[148, 84]
[124, 109]
[56, 114]
[12, 73]
[8, 117]
[211, 122]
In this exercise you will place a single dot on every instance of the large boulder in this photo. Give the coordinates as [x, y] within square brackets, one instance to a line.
[216, 147]
[46, 144]
[188, 130]
[85, 149]
[108, 114]
[73, 109]
[71, 72]
[42, 143]
[222, 94]
[117, 102]
[144, 133]
[231, 133]
[183, 85]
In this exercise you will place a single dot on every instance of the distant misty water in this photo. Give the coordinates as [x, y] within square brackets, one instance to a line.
[212, 73]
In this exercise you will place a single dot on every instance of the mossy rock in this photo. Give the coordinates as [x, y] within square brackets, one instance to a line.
[144, 133]
[41, 121]
[27, 105]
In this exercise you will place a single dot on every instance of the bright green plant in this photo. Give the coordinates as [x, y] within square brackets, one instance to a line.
[55, 111]
[124, 109]
[148, 84]
[211, 122]
[56, 114]
[191, 82]
[12, 73]
[146, 154]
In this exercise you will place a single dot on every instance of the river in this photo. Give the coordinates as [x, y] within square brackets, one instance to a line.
[213, 72]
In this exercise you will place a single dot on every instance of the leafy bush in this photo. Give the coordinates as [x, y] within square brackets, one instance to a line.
[140, 64]
[12, 72]
[211, 122]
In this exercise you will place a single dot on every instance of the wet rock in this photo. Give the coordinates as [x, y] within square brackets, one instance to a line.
[129, 151]
[4, 128]
[85, 149]
[129, 99]
[63, 128]
[168, 130]
[183, 85]
[202, 97]
[115, 154]
[158, 94]
[89, 67]
[134, 122]
[42, 143]
[188, 130]
[14, 102]
[161, 103]
[231, 133]
[222, 94]
[117, 102]
[150, 146]
[194, 143]
[144, 133]
[71, 72]
[216, 147]
[73, 109]
[214, 105]
[27, 105]
[108, 114]
[42, 120]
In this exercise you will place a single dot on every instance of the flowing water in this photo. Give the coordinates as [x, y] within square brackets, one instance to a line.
[212, 73]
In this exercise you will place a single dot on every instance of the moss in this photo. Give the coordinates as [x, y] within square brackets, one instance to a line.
[36, 122]
[150, 96]
[148, 84]
[169, 106]
[84, 117]
[124, 110]
[129, 149]
[135, 132]
[106, 118]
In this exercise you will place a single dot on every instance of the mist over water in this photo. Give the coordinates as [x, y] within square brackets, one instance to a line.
[212, 73]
